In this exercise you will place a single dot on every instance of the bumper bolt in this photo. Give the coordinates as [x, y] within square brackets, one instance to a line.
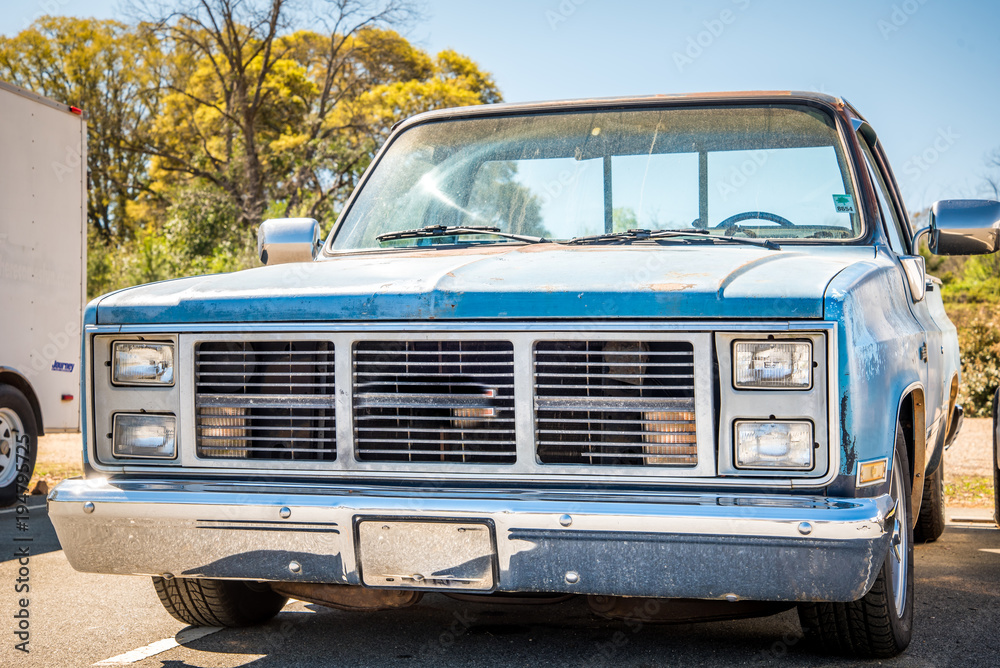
[88, 507]
[285, 513]
[572, 577]
[295, 567]
[805, 528]
[565, 520]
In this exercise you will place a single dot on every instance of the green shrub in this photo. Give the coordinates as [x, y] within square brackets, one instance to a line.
[979, 342]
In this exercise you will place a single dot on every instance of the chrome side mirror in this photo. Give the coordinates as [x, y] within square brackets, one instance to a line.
[281, 240]
[963, 227]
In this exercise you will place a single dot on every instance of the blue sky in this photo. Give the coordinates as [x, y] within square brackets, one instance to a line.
[924, 72]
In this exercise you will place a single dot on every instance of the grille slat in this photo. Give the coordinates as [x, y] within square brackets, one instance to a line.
[615, 403]
[265, 400]
[455, 395]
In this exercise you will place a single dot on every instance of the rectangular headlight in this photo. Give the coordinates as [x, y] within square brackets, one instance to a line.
[774, 445]
[776, 365]
[142, 363]
[144, 435]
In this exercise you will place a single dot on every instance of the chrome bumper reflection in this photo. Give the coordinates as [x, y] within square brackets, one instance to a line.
[594, 542]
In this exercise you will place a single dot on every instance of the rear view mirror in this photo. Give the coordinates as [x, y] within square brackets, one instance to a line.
[964, 227]
[281, 240]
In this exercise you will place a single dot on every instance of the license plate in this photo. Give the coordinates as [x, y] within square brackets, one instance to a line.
[426, 555]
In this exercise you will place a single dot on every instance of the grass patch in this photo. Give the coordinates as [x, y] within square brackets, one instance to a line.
[969, 492]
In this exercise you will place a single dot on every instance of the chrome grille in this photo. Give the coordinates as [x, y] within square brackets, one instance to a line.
[434, 401]
[615, 403]
[266, 400]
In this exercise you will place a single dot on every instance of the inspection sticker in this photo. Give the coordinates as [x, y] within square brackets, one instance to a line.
[843, 203]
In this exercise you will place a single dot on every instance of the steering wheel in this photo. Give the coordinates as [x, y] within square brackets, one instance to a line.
[754, 215]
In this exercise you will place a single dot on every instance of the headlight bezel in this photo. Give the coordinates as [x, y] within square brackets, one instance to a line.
[169, 345]
[105, 399]
[763, 386]
[820, 404]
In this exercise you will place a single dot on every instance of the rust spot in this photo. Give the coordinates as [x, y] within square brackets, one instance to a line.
[670, 287]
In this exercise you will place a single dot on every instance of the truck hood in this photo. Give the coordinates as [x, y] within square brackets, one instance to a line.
[503, 282]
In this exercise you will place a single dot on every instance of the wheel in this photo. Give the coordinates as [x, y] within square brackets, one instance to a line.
[996, 459]
[203, 602]
[18, 443]
[930, 521]
[880, 624]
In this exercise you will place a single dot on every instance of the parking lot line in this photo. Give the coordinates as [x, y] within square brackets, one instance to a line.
[31, 506]
[183, 637]
[152, 649]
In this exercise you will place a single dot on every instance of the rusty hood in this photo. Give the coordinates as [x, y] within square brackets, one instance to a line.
[503, 282]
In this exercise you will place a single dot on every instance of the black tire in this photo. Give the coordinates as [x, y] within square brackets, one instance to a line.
[230, 603]
[18, 444]
[871, 627]
[930, 521]
[996, 459]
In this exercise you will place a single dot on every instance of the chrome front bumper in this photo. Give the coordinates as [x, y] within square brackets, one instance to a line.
[710, 546]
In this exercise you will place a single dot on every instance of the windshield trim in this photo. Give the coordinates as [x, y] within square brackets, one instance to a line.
[833, 108]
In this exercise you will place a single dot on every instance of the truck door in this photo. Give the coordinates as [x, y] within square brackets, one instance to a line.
[897, 228]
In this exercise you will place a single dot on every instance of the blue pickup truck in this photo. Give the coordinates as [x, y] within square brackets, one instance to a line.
[679, 348]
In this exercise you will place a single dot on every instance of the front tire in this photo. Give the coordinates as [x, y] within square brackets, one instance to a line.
[18, 443]
[880, 624]
[229, 603]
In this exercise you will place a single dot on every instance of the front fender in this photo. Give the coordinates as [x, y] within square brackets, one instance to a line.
[879, 351]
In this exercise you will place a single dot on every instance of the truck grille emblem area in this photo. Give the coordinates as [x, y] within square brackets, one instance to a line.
[434, 401]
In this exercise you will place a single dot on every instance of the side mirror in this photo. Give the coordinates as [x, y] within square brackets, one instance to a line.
[963, 227]
[281, 240]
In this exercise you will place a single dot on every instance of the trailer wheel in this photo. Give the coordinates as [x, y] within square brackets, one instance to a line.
[18, 443]
[878, 625]
[230, 603]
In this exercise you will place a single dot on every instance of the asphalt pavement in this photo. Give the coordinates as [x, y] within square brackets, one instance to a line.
[80, 619]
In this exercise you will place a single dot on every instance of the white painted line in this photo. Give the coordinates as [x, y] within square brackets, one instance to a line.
[31, 506]
[989, 549]
[185, 636]
[160, 646]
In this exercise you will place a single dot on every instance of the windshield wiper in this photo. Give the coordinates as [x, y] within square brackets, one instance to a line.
[453, 231]
[641, 235]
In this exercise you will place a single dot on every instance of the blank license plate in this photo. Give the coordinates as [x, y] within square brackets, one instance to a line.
[426, 555]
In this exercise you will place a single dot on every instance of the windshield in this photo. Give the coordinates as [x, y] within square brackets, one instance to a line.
[772, 172]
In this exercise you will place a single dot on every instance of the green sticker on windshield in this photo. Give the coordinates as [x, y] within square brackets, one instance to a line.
[843, 203]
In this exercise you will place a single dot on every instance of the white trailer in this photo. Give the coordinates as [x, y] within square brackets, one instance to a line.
[43, 281]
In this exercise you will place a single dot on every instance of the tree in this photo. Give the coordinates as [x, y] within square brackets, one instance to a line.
[993, 180]
[284, 120]
[112, 72]
[208, 115]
